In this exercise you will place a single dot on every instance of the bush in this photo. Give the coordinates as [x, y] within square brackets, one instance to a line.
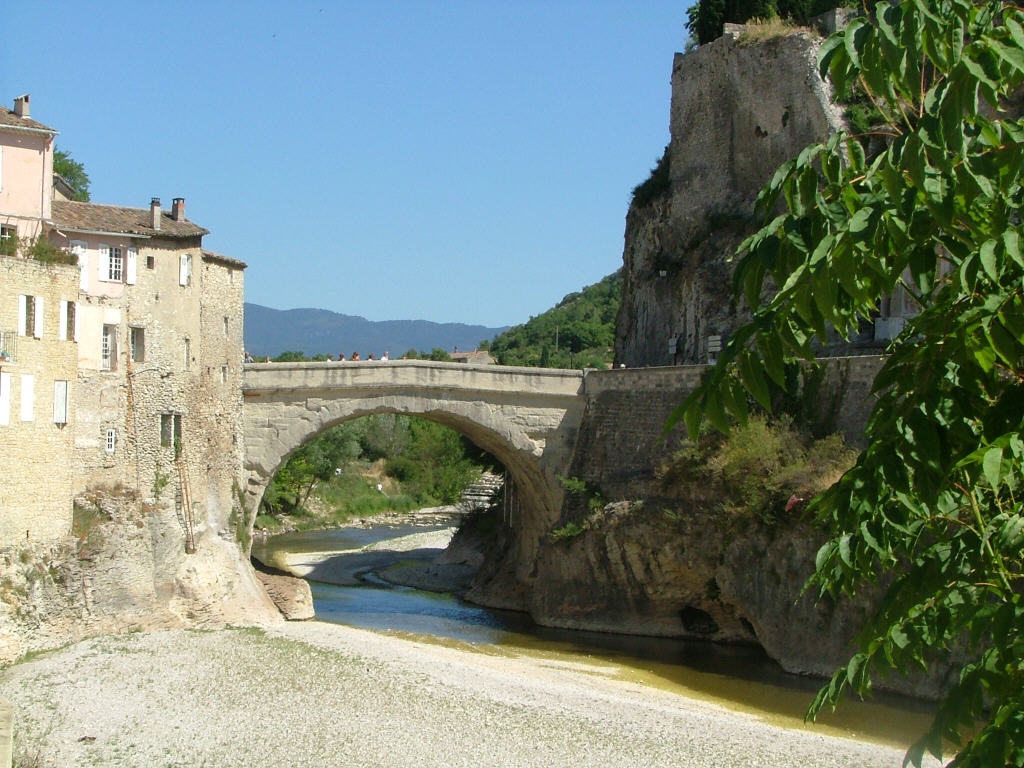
[764, 470]
[657, 184]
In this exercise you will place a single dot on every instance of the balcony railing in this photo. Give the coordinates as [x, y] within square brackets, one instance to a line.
[8, 346]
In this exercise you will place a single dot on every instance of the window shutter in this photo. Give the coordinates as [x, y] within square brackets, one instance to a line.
[28, 382]
[79, 249]
[131, 265]
[22, 314]
[62, 321]
[38, 330]
[78, 321]
[103, 263]
[60, 402]
[184, 268]
[5, 399]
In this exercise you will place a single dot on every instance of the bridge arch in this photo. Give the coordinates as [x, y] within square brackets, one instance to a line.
[526, 418]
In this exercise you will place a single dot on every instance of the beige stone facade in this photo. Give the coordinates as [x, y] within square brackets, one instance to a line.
[38, 357]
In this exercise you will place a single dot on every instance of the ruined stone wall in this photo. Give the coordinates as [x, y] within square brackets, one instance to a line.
[35, 454]
[740, 108]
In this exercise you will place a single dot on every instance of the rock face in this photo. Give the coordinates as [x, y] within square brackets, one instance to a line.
[125, 570]
[740, 108]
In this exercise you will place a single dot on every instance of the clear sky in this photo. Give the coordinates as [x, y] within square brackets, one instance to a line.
[450, 160]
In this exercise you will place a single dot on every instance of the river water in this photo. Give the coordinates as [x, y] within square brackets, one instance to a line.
[740, 678]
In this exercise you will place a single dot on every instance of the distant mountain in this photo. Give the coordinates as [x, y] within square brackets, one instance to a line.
[319, 331]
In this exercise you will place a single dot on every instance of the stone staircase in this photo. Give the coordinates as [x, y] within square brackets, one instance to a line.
[480, 493]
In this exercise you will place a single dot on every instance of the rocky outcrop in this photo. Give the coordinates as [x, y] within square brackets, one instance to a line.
[740, 108]
[124, 568]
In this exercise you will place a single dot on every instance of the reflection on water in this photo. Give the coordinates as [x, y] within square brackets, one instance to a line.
[741, 678]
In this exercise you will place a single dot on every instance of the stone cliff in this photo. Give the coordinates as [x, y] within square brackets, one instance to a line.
[124, 568]
[741, 106]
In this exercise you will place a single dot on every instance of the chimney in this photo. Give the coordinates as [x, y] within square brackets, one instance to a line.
[21, 106]
[178, 209]
[154, 211]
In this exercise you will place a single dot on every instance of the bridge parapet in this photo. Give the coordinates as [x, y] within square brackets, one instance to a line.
[426, 374]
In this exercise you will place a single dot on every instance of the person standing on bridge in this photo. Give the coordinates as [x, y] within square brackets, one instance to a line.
[384, 358]
[355, 357]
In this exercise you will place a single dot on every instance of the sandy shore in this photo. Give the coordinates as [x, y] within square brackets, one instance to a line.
[409, 560]
[317, 694]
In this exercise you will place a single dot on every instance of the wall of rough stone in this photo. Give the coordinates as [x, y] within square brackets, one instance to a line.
[35, 456]
[739, 110]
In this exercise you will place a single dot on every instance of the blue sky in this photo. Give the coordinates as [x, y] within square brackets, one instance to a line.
[450, 161]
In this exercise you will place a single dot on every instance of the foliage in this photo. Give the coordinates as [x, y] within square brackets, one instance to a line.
[706, 18]
[763, 469]
[37, 248]
[568, 531]
[933, 504]
[429, 462]
[73, 172]
[657, 184]
[577, 333]
[291, 356]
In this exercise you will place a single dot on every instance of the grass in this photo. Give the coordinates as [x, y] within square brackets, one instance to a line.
[766, 29]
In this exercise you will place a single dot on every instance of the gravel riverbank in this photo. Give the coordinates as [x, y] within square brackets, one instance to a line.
[317, 694]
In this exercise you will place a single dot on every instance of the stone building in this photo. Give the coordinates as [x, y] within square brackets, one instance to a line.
[136, 352]
[37, 348]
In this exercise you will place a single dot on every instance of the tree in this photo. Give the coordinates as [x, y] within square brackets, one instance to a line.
[73, 172]
[933, 508]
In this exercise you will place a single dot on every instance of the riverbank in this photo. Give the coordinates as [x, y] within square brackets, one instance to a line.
[412, 560]
[316, 694]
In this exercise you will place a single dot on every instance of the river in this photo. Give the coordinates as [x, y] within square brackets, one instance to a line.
[741, 678]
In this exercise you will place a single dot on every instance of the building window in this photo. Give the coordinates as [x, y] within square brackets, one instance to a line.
[170, 430]
[115, 265]
[60, 402]
[188, 354]
[30, 316]
[111, 440]
[151, 262]
[225, 325]
[66, 327]
[223, 374]
[137, 343]
[8, 240]
[185, 269]
[108, 348]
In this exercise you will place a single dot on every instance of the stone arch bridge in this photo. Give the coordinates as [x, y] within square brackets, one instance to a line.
[527, 418]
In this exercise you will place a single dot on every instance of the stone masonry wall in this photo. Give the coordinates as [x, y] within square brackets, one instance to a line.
[35, 455]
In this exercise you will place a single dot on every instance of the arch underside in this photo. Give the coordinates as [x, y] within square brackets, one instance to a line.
[524, 439]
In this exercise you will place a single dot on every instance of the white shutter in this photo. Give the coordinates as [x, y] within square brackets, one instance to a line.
[5, 399]
[28, 383]
[38, 331]
[60, 402]
[22, 314]
[184, 268]
[103, 263]
[80, 250]
[62, 321]
[131, 265]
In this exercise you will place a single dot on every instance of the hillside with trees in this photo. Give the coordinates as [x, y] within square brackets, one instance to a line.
[578, 332]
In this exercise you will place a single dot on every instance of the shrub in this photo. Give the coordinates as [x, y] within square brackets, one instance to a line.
[764, 470]
[657, 184]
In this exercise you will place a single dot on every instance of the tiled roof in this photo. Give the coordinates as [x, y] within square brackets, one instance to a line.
[211, 256]
[7, 117]
[90, 217]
